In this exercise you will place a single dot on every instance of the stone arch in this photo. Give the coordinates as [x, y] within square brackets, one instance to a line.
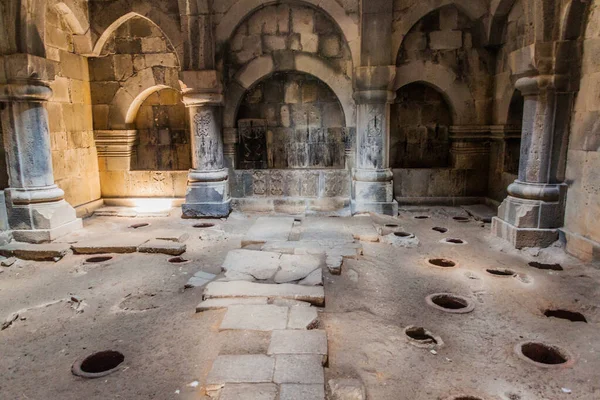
[74, 16]
[571, 26]
[457, 94]
[127, 100]
[498, 17]
[474, 9]
[239, 11]
[260, 67]
[169, 30]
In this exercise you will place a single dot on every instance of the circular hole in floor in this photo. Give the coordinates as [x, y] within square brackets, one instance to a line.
[440, 229]
[454, 241]
[551, 267]
[403, 234]
[204, 225]
[140, 225]
[98, 259]
[420, 335]
[422, 217]
[542, 354]
[503, 272]
[391, 225]
[441, 262]
[450, 303]
[177, 260]
[98, 364]
[572, 316]
[461, 219]
[461, 397]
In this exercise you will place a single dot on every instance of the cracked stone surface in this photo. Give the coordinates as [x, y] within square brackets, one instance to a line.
[312, 294]
[251, 265]
[117, 243]
[255, 317]
[35, 252]
[160, 246]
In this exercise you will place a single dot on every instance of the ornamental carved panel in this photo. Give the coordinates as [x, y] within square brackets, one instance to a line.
[252, 148]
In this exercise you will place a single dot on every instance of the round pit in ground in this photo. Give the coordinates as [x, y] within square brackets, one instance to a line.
[421, 337]
[450, 303]
[422, 217]
[454, 241]
[501, 272]
[392, 226]
[461, 219]
[572, 316]
[551, 267]
[98, 259]
[542, 354]
[178, 260]
[140, 225]
[441, 262]
[403, 235]
[204, 225]
[98, 364]
[439, 229]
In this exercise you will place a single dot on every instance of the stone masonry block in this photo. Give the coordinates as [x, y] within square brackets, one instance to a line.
[445, 40]
[309, 42]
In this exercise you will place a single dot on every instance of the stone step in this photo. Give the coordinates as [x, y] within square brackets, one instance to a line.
[253, 368]
[199, 279]
[299, 342]
[249, 391]
[171, 235]
[117, 243]
[255, 318]
[217, 304]
[155, 246]
[267, 229]
[301, 317]
[35, 252]
[312, 294]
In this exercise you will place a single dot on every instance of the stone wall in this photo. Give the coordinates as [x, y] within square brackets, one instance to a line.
[3, 165]
[163, 134]
[74, 156]
[419, 128]
[305, 122]
[582, 218]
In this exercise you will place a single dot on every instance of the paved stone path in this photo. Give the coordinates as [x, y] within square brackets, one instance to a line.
[276, 288]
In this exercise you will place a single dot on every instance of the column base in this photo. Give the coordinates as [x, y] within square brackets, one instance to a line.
[209, 198]
[523, 237]
[387, 208]
[42, 222]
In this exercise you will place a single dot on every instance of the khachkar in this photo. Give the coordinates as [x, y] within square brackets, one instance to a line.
[37, 211]
[372, 179]
[208, 180]
[533, 211]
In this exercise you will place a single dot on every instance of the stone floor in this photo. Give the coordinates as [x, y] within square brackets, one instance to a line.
[235, 309]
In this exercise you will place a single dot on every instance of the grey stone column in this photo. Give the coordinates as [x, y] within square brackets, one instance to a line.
[37, 211]
[533, 210]
[372, 179]
[208, 182]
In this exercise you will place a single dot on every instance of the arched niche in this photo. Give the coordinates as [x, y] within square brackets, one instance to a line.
[514, 120]
[163, 140]
[420, 121]
[290, 120]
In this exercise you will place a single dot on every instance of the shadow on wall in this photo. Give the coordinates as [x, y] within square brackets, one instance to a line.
[163, 134]
[3, 164]
[420, 122]
[291, 120]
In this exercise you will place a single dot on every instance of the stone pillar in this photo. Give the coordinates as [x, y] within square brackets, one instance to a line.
[208, 182]
[37, 211]
[372, 179]
[533, 210]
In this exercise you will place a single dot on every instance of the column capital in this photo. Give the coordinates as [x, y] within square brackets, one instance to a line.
[202, 87]
[534, 85]
[24, 68]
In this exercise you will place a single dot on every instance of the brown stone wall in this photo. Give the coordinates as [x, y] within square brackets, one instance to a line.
[305, 122]
[3, 167]
[74, 157]
[163, 134]
[582, 218]
[420, 121]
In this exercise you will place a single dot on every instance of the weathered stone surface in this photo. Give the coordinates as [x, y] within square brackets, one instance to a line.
[7, 262]
[163, 247]
[240, 369]
[255, 317]
[315, 278]
[305, 392]
[267, 229]
[200, 279]
[172, 235]
[346, 389]
[250, 265]
[296, 267]
[117, 243]
[334, 264]
[299, 342]
[305, 369]
[216, 304]
[401, 241]
[35, 252]
[481, 212]
[302, 318]
[312, 294]
[249, 391]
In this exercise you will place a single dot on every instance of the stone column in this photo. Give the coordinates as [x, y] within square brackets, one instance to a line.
[37, 211]
[533, 210]
[208, 182]
[372, 179]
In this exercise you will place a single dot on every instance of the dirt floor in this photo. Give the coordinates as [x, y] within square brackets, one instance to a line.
[136, 304]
